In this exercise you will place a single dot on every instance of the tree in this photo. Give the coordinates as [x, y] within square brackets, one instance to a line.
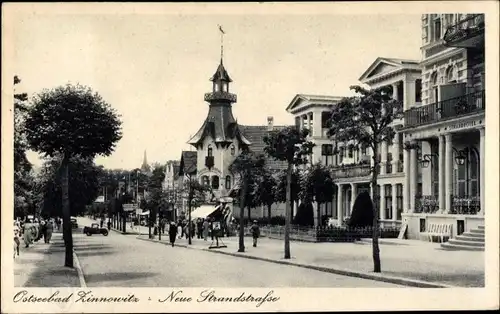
[246, 166]
[305, 215]
[291, 145]
[266, 190]
[195, 196]
[366, 119]
[317, 185]
[294, 189]
[156, 199]
[362, 211]
[71, 121]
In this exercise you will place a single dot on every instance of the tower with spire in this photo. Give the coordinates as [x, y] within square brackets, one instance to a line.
[145, 166]
[219, 140]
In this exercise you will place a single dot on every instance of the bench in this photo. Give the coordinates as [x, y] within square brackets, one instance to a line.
[440, 231]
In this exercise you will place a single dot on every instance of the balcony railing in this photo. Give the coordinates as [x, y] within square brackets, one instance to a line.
[388, 167]
[220, 96]
[351, 171]
[426, 204]
[465, 205]
[400, 166]
[446, 109]
[465, 29]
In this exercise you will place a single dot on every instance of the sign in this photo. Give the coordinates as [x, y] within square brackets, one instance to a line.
[402, 231]
[129, 207]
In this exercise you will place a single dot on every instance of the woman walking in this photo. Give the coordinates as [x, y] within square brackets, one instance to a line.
[205, 229]
[49, 228]
[172, 233]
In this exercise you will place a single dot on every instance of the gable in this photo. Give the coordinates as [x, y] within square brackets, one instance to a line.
[381, 68]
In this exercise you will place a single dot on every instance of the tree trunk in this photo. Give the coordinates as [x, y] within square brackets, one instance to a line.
[191, 195]
[249, 211]
[124, 222]
[269, 213]
[242, 214]
[375, 227]
[288, 209]
[318, 212]
[66, 213]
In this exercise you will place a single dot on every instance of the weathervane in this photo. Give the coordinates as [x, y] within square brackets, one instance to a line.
[221, 42]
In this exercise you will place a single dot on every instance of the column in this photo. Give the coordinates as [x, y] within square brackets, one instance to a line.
[395, 153]
[408, 94]
[340, 200]
[354, 193]
[482, 159]
[395, 91]
[382, 202]
[413, 178]
[406, 185]
[394, 202]
[383, 157]
[301, 123]
[448, 172]
[309, 124]
[441, 178]
[317, 128]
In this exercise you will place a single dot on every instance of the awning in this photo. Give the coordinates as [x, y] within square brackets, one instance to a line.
[203, 211]
[144, 213]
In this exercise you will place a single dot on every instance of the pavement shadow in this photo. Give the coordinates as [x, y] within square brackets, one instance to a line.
[90, 248]
[456, 279]
[117, 276]
[96, 252]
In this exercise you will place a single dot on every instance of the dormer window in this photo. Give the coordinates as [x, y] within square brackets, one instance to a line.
[233, 150]
[225, 87]
[216, 87]
[210, 152]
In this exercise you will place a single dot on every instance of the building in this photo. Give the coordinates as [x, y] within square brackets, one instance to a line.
[444, 134]
[171, 187]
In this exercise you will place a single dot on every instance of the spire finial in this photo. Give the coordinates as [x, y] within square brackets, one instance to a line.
[221, 43]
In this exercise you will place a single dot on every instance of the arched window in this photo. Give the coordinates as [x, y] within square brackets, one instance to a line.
[215, 182]
[204, 180]
[452, 74]
[433, 88]
[228, 182]
[210, 152]
[233, 150]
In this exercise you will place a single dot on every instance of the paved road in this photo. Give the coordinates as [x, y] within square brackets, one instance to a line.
[123, 261]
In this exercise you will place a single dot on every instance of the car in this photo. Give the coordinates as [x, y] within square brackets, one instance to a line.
[95, 229]
[74, 224]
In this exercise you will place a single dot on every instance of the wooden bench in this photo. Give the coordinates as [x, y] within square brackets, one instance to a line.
[440, 231]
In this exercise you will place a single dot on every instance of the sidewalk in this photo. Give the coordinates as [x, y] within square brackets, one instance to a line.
[410, 262]
[41, 265]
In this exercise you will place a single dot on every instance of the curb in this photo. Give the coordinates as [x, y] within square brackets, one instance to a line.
[339, 271]
[79, 270]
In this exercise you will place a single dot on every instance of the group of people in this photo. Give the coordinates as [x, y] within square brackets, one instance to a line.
[32, 230]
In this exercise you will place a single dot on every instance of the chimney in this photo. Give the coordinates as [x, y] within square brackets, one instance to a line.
[270, 123]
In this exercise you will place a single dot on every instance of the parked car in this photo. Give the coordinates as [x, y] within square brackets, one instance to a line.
[74, 224]
[95, 229]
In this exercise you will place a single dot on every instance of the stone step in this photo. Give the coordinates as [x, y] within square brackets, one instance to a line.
[455, 247]
[481, 227]
[466, 243]
[477, 231]
[464, 237]
[473, 234]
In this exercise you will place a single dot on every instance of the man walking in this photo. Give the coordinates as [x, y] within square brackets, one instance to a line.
[172, 233]
[255, 232]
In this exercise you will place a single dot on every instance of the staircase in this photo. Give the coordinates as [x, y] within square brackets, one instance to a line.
[472, 240]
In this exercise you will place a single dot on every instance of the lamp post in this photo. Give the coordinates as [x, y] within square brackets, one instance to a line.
[462, 159]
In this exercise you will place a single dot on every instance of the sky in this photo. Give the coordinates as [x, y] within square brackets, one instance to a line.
[155, 69]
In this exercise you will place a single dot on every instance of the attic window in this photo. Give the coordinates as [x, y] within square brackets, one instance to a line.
[210, 152]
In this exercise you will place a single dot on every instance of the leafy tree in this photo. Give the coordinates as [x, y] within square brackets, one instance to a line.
[294, 188]
[156, 199]
[362, 211]
[291, 145]
[367, 119]
[247, 166]
[71, 121]
[317, 185]
[305, 215]
[266, 190]
[196, 195]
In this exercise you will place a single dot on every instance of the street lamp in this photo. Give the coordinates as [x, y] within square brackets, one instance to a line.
[427, 160]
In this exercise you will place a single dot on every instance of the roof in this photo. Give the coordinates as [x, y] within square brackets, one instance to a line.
[256, 133]
[313, 99]
[387, 65]
[221, 74]
[188, 162]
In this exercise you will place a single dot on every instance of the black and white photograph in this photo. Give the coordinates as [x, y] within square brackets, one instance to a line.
[201, 149]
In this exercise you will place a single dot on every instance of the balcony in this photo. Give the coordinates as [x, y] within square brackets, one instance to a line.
[445, 110]
[351, 171]
[465, 205]
[426, 204]
[220, 96]
[468, 33]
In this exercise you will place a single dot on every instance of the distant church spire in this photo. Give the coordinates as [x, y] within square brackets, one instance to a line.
[145, 165]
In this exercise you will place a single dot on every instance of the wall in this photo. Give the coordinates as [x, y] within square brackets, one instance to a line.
[258, 212]
[470, 222]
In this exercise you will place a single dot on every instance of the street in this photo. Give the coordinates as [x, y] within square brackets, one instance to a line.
[124, 261]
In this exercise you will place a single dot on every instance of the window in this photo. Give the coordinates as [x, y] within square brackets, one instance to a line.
[210, 152]
[437, 29]
[327, 154]
[350, 151]
[433, 97]
[204, 180]
[224, 87]
[418, 90]
[216, 87]
[215, 182]
[399, 199]
[341, 154]
[228, 182]
[363, 149]
[233, 150]
[325, 116]
[388, 201]
[452, 74]
[474, 170]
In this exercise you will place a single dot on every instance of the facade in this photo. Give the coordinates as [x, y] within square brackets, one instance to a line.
[444, 135]
[171, 187]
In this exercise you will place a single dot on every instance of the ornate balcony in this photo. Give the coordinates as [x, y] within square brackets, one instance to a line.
[351, 171]
[468, 33]
[465, 205]
[426, 204]
[445, 110]
[220, 96]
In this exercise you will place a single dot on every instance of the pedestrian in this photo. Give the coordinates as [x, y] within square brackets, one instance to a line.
[102, 222]
[42, 231]
[205, 229]
[28, 234]
[109, 224]
[180, 230]
[172, 233]
[211, 227]
[49, 228]
[255, 232]
[199, 228]
[17, 242]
